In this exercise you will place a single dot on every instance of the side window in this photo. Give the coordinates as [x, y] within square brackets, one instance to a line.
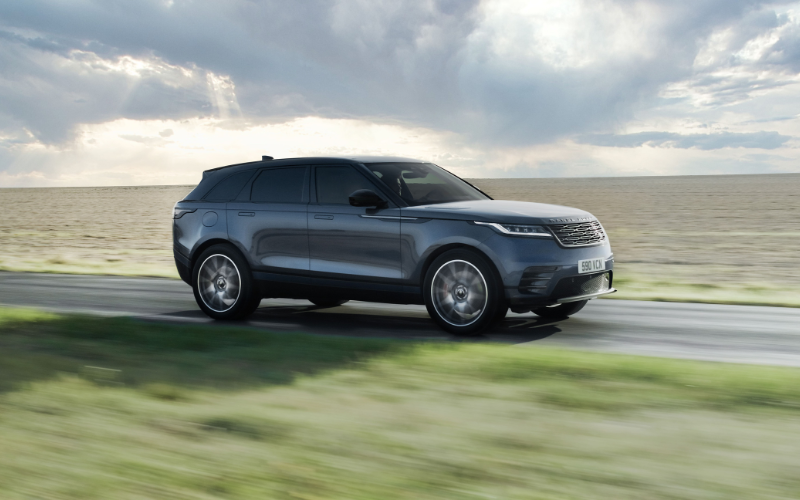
[279, 185]
[228, 188]
[336, 184]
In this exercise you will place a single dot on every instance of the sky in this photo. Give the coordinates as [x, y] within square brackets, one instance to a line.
[149, 92]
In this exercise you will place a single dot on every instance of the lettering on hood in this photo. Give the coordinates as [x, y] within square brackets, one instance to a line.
[571, 219]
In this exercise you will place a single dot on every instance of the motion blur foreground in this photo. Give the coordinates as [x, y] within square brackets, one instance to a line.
[383, 229]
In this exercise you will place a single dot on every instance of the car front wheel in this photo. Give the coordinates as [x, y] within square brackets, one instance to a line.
[462, 293]
[223, 285]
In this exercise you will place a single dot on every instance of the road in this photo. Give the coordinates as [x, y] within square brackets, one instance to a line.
[742, 334]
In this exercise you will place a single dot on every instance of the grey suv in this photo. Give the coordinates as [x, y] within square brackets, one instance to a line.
[383, 229]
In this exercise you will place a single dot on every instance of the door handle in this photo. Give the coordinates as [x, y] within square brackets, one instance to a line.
[247, 214]
[323, 216]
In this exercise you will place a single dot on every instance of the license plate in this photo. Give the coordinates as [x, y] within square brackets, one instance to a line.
[591, 265]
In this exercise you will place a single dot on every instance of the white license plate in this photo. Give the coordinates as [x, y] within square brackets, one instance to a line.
[591, 265]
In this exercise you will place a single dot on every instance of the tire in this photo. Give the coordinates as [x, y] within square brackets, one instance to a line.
[560, 311]
[327, 302]
[463, 293]
[223, 284]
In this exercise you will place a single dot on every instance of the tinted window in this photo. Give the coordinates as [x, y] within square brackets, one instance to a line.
[228, 188]
[279, 185]
[336, 184]
[424, 183]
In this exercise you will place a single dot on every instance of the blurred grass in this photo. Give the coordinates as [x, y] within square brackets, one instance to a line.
[636, 285]
[116, 264]
[117, 408]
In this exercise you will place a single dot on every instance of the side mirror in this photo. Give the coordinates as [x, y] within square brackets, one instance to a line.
[366, 198]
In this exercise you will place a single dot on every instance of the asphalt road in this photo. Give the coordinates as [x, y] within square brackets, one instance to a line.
[742, 334]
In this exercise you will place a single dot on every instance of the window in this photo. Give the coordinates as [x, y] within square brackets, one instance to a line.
[336, 184]
[279, 185]
[228, 188]
[424, 183]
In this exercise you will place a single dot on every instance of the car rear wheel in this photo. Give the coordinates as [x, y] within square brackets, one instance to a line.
[561, 310]
[223, 285]
[462, 293]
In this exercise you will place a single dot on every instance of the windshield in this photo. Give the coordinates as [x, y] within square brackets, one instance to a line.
[424, 183]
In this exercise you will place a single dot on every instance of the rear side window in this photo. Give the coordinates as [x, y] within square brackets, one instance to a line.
[279, 185]
[228, 188]
[336, 184]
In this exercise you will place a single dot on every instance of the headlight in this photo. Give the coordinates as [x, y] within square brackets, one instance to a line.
[518, 229]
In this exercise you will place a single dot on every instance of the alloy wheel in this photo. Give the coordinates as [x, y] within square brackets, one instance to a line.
[219, 283]
[459, 293]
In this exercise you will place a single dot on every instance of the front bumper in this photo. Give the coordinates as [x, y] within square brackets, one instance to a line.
[539, 272]
[578, 298]
[563, 289]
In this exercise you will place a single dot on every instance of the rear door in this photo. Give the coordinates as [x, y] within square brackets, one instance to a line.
[352, 242]
[272, 226]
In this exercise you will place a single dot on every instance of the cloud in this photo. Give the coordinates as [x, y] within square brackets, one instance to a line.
[150, 141]
[333, 59]
[758, 140]
[494, 74]
[49, 93]
[503, 71]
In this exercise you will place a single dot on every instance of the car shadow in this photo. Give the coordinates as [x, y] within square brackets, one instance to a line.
[379, 322]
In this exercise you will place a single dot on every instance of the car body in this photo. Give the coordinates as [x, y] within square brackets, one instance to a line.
[371, 228]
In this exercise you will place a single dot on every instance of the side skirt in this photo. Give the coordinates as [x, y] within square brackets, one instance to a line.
[285, 286]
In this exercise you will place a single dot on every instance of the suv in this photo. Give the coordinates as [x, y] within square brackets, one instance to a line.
[383, 229]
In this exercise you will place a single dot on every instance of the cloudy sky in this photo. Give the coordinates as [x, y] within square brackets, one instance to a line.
[113, 92]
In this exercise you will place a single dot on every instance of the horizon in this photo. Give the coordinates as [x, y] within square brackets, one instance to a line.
[609, 177]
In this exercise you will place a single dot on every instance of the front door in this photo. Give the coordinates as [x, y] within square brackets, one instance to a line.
[272, 226]
[353, 242]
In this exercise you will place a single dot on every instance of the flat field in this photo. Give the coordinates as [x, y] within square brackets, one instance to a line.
[105, 230]
[95, 408]
[730, 239]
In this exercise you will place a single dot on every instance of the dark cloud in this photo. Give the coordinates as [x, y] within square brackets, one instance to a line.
[786, 51]
[49, 92]
[417, 62]
[771, 119]
[758, 140]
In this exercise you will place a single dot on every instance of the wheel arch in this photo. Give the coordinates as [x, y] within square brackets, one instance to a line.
[458, 246]
[209, 243]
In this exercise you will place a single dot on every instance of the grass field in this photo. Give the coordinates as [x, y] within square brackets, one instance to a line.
[96, 408]
[726, 239]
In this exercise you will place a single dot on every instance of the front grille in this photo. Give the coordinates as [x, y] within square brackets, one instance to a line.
[580, 234]
[581, 285]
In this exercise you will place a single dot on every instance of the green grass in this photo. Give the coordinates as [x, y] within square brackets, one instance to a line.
[106, 264]
[116, 408]
[638, 286]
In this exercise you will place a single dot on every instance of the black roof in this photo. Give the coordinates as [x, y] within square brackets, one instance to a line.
[212, 176]
[316, 159]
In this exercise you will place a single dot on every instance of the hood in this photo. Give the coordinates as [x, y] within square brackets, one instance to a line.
[513, 212]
